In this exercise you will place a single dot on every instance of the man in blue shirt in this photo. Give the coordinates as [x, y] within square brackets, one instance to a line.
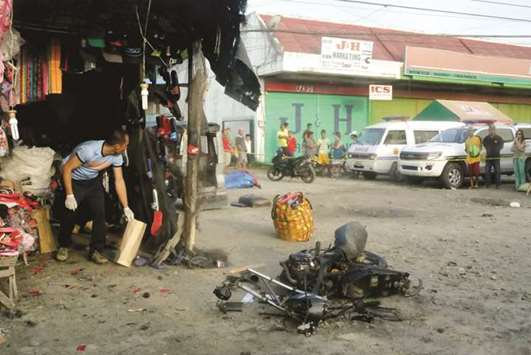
[81, 172]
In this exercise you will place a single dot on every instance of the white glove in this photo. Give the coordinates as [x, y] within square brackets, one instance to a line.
[129, 215]
[71, 202]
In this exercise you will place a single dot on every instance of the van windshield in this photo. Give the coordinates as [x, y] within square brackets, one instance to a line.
[371, 136]
[452, 135]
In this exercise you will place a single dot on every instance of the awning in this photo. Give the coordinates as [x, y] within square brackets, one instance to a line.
[463, 111]
[429, 63]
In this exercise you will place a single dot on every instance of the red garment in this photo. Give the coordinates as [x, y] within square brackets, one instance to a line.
[292, 145]
[226, 145]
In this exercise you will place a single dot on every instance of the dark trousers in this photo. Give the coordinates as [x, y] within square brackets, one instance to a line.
[90, 197]
[490, 165]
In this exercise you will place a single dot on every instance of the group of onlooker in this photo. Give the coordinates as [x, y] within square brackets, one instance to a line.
[320, 148]
[240, 153]
[493, 145]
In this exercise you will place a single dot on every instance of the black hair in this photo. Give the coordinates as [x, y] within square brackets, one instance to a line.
[117, 137]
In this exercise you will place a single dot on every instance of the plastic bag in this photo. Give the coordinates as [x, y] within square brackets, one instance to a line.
[33, 163]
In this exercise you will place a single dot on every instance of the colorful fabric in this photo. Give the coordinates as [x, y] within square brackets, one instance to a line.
[292, 217]
[473, 169]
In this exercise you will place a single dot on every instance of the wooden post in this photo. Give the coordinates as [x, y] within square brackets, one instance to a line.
[195, 128]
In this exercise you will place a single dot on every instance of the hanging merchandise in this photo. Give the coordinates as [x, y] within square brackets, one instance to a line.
[13, 124]
[6, 12]
[144, 93]
[40, 72]
[4, 144]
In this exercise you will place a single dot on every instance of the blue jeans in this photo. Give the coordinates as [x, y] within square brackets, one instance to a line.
[519, 172]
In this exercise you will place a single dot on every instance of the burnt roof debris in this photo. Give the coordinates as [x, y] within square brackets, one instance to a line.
[172, 28]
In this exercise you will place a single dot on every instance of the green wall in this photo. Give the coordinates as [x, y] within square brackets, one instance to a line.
[518, 112]
[330, 112]
[396, 107]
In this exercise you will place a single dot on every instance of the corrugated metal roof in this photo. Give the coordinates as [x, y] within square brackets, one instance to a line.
[388, 44]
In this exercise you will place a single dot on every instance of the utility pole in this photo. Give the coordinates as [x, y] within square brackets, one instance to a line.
[195, 129]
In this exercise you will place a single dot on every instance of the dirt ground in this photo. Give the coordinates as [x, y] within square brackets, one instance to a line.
[472, 255]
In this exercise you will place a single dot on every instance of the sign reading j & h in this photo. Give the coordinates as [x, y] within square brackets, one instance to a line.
[330, 112]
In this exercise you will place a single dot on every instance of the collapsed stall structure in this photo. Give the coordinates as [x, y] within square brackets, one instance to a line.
[87, 67]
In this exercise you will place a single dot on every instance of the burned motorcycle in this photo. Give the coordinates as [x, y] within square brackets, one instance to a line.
[317, 285]
[292, 167]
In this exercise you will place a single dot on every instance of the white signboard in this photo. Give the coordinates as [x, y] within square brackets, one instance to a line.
[381, 92]
[345, 54]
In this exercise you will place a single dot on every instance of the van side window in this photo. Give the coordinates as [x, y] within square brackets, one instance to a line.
[424, 136]
[396, 137]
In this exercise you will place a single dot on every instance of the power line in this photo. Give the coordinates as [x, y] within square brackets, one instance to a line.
[386, 34]
[388, 5]
[503, 3]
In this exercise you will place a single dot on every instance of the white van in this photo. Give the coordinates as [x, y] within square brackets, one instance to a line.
[379, 145]
[444, 157]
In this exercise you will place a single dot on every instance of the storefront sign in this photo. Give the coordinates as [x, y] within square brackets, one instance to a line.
[466, 68]
[345, 54]
[381, 92]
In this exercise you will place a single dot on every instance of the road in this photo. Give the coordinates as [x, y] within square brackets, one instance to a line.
[472, 255]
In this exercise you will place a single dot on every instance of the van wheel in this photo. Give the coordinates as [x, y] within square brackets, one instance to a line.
[395, 173]
[369, 176]
[528, 170]
[453, 176]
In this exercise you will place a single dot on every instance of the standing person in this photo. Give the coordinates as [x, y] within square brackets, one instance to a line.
[310, 146]
[227, 148]
[82, 178]
[307, 131]
[354, 138]
[292, 144]
[323, 145]
[473, 157]
[518, 149]
[249, 148]
[241, 149]
[282, 138]
[493, 143]
[338, 149]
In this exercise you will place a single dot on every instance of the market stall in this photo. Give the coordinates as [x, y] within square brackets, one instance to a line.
[76, 70]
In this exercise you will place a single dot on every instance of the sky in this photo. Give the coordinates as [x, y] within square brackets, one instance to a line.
[414, 20]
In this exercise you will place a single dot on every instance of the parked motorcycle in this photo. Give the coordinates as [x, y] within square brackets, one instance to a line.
[292, 167]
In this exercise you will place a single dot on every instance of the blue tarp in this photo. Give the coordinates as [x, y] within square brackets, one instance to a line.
[239, 180]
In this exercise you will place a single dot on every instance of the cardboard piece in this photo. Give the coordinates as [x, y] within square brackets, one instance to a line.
[131, 240]
[47, 241]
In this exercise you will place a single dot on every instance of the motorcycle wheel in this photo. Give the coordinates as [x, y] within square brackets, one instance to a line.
[274, 174]
[307, 174]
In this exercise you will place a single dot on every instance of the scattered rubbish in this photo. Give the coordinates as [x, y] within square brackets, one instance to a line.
[146, 295]
[35, 292]
[165, 290]
[248, 298]
[226, 307]
[253, 201]
[204, 259]
[317, 285]
[136, 310]
[240, 180]
[76, 271]
[37, 269]
[515, 204]
[493, 277]
[490, 202]
[141, 261]
[30, 323]
[238, 204]
[487, 215]
[136, 290]
[81, 348]
[145, 326]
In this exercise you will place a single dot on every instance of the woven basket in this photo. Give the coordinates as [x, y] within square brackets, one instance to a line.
[293, 223]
